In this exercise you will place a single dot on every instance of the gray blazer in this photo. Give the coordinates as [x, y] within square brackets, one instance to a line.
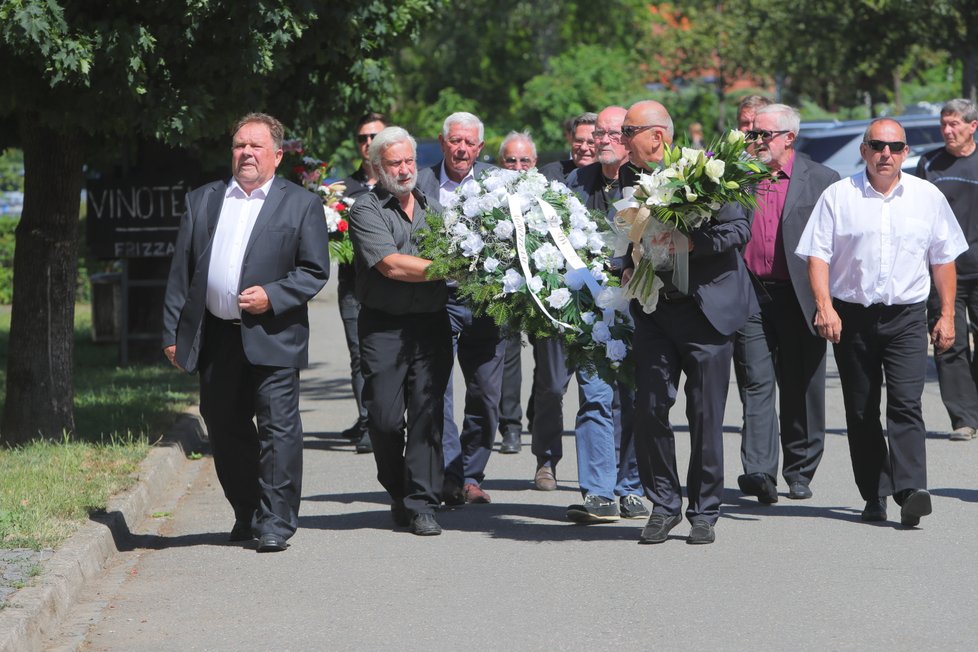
[428, 178]
[808, 180]
[287, 255]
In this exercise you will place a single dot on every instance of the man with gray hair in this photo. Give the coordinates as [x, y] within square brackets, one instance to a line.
[954, 170]
[405, 337]
[479, 344]
[582, 149]
[517, 151]
[747, 109]
[778, 352]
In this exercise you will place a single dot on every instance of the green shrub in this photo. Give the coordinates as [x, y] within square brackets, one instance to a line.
[8, 226]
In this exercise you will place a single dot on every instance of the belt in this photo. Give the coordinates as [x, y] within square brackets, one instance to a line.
[227, 322]
[675, 296]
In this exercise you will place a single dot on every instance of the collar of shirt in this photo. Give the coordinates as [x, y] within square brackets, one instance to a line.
[389, 200]
[235, 190]
[444, 181]
[862, 178]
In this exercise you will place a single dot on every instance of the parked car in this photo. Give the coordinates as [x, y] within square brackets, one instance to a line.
[838, 146]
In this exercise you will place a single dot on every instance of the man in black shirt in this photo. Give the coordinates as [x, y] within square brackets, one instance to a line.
[954, 170]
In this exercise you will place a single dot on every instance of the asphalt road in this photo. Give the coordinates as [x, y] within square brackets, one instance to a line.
[516, 575]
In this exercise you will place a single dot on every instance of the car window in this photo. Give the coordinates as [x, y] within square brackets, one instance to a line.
[820, 149]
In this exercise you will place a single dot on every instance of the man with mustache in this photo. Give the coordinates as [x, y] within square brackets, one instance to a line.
[405, 337]
[870, 243]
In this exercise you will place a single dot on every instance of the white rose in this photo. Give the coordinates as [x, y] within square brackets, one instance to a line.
[577, 238]
[472, 245]
[559, 298]
[692, 155]
[472, 207]
[490, 264]
[469, 189]
[600, 332]
[512, 281]
[535, 283]
[548, 258]
[615, 350]
[714, 169]
[460, 229]
[504, 229]
[588, 317]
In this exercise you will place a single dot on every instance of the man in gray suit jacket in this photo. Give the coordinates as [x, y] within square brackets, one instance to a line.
[778, 348]
[249, 255]
[692, 333]
[480, 346]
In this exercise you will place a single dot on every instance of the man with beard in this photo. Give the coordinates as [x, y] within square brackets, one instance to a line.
[405, 337]
[249, 256]
[691, 333]
[869, 243]
[778, 352]
[582, 149]
[480, 345]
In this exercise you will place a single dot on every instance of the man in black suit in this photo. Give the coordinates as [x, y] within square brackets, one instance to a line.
[778, 351]
[688, 332]
[358, 183]
[480, 346]
[249, 256]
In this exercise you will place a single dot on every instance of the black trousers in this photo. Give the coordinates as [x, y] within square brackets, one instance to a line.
[510, 402]
[349, 312]
[776, 355]
[678, 338]
[406, 361]
[259, 466]
[884, 341]
[957, 368]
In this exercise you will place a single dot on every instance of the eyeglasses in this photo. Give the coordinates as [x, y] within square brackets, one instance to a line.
[896, 146]
[362, 138]
[512, 160]
[630, 131]
[764, 134]
[613, 136]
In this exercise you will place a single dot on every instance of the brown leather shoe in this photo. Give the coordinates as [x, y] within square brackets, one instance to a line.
[475, 494]
[545, 480]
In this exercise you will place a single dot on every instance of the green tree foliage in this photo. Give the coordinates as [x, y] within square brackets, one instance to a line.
[93, 76]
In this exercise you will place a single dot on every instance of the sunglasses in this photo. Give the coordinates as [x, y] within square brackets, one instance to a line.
[630, 131]
[896, 146]
[362, 138]
[512, 160]
[764, 134]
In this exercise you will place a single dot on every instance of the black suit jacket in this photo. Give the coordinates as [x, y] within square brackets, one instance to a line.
[287, 255]
[808, 180]
[718, 278]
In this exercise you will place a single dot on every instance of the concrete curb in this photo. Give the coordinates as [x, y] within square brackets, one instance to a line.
[37, 611]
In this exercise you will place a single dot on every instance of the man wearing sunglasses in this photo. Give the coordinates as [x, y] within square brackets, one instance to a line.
[870, 243]
[478, 342]
[688, 333]
[518, 152]
[361, 181]
[777, 352]
[954, 170]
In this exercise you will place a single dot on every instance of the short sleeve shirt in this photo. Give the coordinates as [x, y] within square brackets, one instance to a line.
[379, 228]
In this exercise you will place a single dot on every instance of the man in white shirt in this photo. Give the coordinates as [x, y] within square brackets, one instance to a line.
[870, 243]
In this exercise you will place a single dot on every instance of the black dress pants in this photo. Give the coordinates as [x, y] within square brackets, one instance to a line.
[406, 361]
[884, 341]
[259, 467]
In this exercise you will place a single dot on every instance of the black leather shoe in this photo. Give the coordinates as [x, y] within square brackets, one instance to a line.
[511, 442]
[425, 525]
[658, 527]
[364, 444]
[916, 503]
[760, 485]
[701, 532]
[270, 542]
[400, 514]
[241, 531]
[353, 432]
[799, 491]
[452, 494]
[875, 510]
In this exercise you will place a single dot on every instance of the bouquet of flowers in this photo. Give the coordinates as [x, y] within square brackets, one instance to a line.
[669, 202]
[527, 252]
[310, 172]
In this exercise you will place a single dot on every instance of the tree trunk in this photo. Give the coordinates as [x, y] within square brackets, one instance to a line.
[40, 389]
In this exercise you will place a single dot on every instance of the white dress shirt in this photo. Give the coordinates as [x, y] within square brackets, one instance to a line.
[446, 187]
[880, 249]
[238, 215]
